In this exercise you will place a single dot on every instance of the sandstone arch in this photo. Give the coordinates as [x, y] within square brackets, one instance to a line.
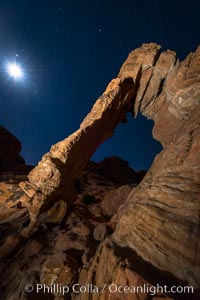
[160, 221]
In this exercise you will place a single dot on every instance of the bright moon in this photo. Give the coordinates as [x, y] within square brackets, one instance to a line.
[15, 71]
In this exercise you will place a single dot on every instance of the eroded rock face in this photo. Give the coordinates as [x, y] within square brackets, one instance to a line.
[64, 242]
[154, 234]
[161, 219]
[116, 170]
[56, 172]
[113, 200]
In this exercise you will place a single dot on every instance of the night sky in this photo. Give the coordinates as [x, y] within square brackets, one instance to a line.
[69, 51]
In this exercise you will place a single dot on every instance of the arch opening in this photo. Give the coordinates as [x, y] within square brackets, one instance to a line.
[132, 142]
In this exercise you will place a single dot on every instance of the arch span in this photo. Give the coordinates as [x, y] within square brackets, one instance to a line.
[160, 221]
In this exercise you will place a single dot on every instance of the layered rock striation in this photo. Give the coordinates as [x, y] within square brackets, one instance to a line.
[161, 218]
[152, 234]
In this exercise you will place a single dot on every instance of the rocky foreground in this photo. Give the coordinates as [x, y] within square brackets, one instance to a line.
[96, 226]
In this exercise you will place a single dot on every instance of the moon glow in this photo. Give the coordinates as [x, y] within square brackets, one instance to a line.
[15, 71]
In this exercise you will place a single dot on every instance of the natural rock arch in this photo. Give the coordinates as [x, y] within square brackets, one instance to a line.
[160, 220]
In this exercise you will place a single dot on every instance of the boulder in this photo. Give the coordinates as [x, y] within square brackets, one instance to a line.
[10, 148]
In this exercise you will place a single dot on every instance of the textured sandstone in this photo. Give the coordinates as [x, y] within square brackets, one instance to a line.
[161, 219]
[114, 200]
[59, 168]
[107, 268]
